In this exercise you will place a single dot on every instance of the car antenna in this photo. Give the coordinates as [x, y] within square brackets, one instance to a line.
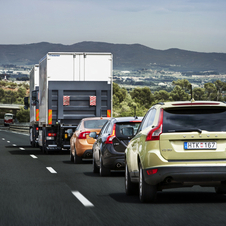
[192, 99]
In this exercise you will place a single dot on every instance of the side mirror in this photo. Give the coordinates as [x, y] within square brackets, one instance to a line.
[93, 135]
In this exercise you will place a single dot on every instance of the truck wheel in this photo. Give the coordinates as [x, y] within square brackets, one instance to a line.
[103, 170]
[95, 167]
[131, 188]
[77, 159]
[147, 192]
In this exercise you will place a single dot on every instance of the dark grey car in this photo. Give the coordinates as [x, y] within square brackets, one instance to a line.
[109, 148]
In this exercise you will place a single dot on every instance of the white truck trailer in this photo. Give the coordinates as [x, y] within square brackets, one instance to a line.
[72, 86]
[34, 105]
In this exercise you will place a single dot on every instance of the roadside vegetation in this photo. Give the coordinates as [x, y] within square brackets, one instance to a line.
[139, 100]
[134, 102]
[14, 93]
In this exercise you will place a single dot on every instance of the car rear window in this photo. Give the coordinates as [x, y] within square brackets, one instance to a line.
[94, 124]
[126, 129]
[209, 119]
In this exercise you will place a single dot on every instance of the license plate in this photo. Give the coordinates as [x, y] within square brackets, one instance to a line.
[200, 145]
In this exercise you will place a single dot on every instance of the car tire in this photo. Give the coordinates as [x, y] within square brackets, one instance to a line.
[147, 192]
[220, 190]
[77, 159]
[130, 188]
[103, 170]
[95, 167]
[71, 156]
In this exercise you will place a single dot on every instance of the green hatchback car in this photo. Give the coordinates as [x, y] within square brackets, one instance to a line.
[178, 144]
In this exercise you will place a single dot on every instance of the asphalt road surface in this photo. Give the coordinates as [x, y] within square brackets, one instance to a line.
[49, 190]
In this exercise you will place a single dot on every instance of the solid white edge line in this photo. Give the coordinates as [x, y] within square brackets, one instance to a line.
[82, 199]
[51, 170]
[34, 157]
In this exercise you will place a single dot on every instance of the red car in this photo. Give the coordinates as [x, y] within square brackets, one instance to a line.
[8, 119]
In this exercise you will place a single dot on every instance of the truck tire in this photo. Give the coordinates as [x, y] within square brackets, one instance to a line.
[147, 192]
[77, 159]
[130, 188]
[32, 142]
[103, 170]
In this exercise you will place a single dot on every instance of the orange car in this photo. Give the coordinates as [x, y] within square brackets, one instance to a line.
[81, 143]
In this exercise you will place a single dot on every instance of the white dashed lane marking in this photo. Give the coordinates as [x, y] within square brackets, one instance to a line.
[3, 138]
[22, 149]
[8, 141]
[34, 157]
[82, 199]
[51, 170]
[14, 145]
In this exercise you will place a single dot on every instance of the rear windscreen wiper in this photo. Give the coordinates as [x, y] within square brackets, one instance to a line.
[185, 130]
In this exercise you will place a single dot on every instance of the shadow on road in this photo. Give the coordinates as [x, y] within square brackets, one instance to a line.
[113, 174]
[174, 198]
[84, 162]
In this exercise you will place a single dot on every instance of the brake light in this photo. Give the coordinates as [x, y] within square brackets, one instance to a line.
[36, 128]
[156, 131]
[152, 171]
[196, 103]
[111, 137]
[52, 134]
[82, 135]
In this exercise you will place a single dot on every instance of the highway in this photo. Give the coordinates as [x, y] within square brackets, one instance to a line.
[39, 189]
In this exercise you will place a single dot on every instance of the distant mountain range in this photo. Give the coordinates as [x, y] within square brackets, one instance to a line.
[125, 57]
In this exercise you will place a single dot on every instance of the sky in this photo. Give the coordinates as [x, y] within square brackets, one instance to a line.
[195, 25]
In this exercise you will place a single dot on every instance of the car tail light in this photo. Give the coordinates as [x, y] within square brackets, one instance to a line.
[156, 131]
[36, 128]
[111, 137]
[51, 134]
[151, 171]
[82, 135]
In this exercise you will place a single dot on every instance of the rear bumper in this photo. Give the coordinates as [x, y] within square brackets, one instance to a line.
[194, 175]
[88, 154]
[112, 159]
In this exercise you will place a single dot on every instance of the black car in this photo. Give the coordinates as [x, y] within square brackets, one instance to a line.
[109, 148]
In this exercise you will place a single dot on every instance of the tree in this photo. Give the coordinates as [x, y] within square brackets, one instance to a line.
[211, 91]
[2, 93]
[178, 94]
[23, 115]
[199, 94]
[183, 83]
[161, 96]
[143, 96]
[21, 92]
[12, 85]
[220, 86]
[3, 83]
[119, 92]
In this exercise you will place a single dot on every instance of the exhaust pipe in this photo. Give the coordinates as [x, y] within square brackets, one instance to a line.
[88, 154]
[118, 165]
[168, 180]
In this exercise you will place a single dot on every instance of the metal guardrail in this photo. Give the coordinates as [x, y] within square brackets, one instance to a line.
[19, 128]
